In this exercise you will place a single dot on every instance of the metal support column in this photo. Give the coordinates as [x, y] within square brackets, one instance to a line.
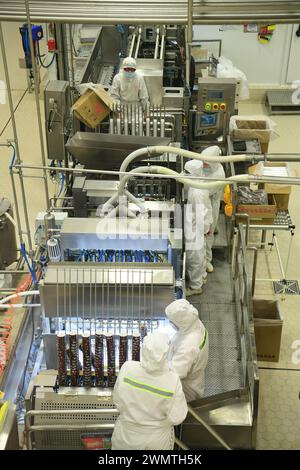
[16, 143]
[38, 109]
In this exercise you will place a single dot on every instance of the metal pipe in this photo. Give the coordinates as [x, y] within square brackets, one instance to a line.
[138, 43]
[180, 444]
[156, 43]
[279, 257]
[71, 55]
[254, 269]
[15, 271]
[208, 428]
[162, 47]
[38, 109]
[132, 45]
[174, 175]
[14, 127]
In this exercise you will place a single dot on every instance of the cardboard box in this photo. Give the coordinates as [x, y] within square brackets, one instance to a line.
[280, 192]
[248, 129]
[92, 107]
[268, 329]
[260, 213]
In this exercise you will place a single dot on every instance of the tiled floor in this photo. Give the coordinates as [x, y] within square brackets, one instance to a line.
[279, 409]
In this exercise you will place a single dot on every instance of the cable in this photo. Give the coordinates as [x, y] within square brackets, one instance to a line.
[40, 58]
[31, 269]
[62, 181]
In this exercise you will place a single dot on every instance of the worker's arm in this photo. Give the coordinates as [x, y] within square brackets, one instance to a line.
[116, 396]
[115, 89]
[208, 214]
[143, 93]
[178, 409]
[182, 360]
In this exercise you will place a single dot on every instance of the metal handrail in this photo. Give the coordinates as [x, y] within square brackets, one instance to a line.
[208, 428]
[29, 429]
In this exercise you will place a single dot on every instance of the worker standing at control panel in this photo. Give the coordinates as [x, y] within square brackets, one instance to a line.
[129, 86]
[197, 224]
[149, 398]
[213, 170]
[189, 347]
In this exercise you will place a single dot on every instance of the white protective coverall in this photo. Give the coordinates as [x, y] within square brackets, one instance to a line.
[129, 87]
[189, 348]
[150, 399]
[198, 220]
[213, 170]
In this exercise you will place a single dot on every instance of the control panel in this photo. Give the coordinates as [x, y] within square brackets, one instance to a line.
[217, 95]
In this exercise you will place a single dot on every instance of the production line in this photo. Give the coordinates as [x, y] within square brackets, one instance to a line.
[109, 251]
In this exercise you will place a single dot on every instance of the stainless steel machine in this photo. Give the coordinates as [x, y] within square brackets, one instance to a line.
[105, 282]
[217, 100]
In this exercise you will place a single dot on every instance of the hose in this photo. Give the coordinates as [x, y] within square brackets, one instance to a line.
[30, 268]
[160, 149]
[19, 294]
[186, 181]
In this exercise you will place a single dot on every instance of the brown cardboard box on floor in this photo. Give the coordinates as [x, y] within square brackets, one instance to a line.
[267, 328]
[93, 106]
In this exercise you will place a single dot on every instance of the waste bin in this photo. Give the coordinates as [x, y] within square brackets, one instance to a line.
[268, 328]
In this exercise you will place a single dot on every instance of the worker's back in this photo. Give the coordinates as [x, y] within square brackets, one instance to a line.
[150, 401]
[192, 368]
[189, 347]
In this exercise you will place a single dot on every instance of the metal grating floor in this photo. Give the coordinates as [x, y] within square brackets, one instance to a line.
[286, 287]
[224, 372]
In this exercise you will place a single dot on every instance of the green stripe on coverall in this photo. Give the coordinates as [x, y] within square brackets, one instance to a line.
[148, 388]
[201, 346]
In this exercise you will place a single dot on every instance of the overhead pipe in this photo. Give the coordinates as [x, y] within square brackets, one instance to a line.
[37, 100]
[156, 43]
[138, 43]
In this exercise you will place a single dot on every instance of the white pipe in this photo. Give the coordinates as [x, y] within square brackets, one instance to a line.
[191, 182]
[19, 294]
[138, 43]
[11, 219]
[132, 45]
[4, 307]
[156, 44]
[162, 47]
[160, 149]
[135, 200]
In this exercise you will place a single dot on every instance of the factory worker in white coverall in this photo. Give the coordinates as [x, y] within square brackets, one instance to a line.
[213, 170]
[189, 347]
[128, 86]
[149, 398]
[197, 224]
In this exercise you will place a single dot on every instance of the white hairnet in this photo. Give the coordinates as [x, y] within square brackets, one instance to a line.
[212, 151]
[155, 351]
[182, 314]
[129, 62]
[194, 167]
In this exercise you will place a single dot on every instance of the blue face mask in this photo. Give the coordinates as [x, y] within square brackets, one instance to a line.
[128, 74]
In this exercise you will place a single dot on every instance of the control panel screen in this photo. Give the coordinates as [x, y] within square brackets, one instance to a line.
[215, 94]
[208, 120]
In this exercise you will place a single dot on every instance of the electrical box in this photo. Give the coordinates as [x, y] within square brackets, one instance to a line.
[57, 109]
